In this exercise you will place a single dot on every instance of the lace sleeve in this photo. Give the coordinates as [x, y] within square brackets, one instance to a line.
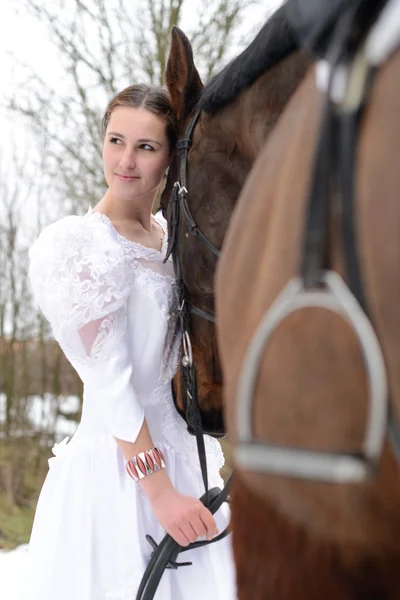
[78, 272]
[81, 281]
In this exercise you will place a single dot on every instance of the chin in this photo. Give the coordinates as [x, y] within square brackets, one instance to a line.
[123, 194]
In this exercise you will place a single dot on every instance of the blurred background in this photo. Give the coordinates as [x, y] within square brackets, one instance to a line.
[61, 61]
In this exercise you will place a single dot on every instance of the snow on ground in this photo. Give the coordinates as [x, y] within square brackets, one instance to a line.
[12, 564]
[12, 567]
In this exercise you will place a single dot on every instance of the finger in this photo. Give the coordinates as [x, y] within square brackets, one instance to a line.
[198, 526]
[180, 537]
[189, 532]
[209, 523]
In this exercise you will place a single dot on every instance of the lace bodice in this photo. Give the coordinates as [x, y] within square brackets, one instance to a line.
[110, 303]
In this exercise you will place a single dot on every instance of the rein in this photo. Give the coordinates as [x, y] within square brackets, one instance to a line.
[166, 553]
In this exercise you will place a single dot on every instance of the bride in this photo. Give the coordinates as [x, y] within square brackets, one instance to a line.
[131, 469]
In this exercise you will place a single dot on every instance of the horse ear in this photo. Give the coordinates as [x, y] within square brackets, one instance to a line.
[181, 76]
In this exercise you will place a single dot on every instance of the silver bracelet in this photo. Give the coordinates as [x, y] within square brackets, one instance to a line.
[145, 463]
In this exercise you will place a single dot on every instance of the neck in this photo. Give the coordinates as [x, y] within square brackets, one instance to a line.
[138, 211]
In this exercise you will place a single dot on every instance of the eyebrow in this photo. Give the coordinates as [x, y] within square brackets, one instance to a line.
[142, 140]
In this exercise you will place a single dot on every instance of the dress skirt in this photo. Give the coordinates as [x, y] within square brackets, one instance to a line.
[88, 541]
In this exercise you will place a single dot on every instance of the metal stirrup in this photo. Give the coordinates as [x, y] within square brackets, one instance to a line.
[296, 462]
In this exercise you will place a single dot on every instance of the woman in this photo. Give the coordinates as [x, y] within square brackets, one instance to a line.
[101, 281]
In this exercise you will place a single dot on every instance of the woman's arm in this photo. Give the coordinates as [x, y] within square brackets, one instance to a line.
[183, 517]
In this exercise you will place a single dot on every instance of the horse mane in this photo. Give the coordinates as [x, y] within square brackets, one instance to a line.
[273, 43]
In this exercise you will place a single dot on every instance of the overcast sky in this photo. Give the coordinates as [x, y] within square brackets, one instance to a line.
[27, 40]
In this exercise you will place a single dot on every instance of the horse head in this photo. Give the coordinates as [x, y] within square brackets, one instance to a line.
[234, 114]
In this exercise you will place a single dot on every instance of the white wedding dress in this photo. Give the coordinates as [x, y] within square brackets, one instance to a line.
[109, 302]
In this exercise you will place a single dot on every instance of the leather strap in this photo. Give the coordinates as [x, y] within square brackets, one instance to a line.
[336, 157]
[166, 553]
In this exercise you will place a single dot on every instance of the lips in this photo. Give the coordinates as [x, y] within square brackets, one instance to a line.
[126, 177]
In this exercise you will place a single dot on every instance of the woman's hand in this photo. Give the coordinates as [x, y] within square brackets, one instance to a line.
[183, 517]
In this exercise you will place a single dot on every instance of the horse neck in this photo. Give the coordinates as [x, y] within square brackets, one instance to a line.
[227, 143]
[259, 107]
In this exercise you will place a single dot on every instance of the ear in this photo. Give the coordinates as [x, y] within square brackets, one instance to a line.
[181, 76]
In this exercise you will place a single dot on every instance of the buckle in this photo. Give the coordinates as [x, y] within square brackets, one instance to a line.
[184, 144]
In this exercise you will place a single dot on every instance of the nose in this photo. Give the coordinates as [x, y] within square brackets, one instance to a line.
[128, 160]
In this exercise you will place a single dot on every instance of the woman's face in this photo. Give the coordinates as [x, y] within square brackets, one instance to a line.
[135, 153]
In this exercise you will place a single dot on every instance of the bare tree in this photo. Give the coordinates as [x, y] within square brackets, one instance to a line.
[104, 46]
[14, 296]
[32, 367]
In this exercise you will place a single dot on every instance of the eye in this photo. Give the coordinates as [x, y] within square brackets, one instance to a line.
[115, 140]
[147, 147]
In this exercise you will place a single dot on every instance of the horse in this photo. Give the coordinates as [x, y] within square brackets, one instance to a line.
[225, 144]
[300, 530]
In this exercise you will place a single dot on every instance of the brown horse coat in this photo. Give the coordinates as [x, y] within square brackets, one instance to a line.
[299, 539]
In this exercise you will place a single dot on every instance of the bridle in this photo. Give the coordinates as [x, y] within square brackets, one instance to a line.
[166, 553]
[317, 285]
[179, 205]
[180, 210]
